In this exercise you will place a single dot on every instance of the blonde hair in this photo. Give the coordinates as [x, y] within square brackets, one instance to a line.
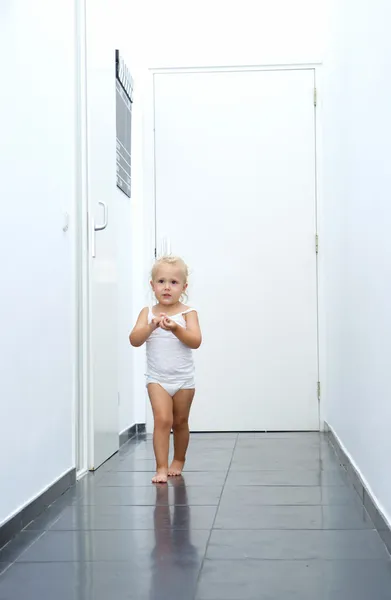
[171, 260]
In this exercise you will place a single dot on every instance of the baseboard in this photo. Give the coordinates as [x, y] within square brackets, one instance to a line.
[36, 507]
[380, 522]
[129, 433]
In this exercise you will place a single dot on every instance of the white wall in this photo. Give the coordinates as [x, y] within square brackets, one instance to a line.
[175, 34]
[357, 217]
[37, 183]
[37, 187]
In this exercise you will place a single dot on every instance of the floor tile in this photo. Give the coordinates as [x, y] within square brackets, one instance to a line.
[99, 581]
[199, 445]
[196, 452]
[258, 580]
[294, 580]
[296, 545]
[282, 440]
[357, 579]
[153, 494]
[292, 477]
[255, 517]
[286, 463]
[278, 495]
[212, 443]
[233, 516]
[194, 463]
[283, 447]
[103, 517]
[135, 547]
[281, 435]
[213, 435]
[207, 463]
[143, 479]
[196, 436]
[134, 464]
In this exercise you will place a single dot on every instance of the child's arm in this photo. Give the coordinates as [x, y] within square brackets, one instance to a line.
[191, 336]
[142, 330]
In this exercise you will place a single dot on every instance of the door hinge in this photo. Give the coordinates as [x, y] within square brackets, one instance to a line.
[318, 387]
[155, 253]
[316, 243]
[315, 96]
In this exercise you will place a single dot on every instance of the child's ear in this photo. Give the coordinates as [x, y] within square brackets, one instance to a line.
[151, 282]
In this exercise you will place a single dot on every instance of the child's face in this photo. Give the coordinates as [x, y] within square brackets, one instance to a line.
[169, 284]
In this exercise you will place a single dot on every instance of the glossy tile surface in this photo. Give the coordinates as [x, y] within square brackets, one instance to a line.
[256, 516]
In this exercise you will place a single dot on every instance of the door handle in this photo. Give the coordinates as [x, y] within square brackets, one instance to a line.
[98, 228]
[105, 219]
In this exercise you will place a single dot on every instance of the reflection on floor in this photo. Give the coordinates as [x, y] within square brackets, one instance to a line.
[256, 516]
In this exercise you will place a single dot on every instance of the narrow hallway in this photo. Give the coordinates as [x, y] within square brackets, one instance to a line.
[256, 516]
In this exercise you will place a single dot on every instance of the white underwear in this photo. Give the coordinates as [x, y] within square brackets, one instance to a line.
[173, 388]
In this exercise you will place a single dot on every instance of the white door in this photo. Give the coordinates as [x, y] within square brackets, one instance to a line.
[103, 234]
[235, 196]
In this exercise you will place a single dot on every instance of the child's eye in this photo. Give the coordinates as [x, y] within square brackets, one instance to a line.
[174, 282]
[161, 281]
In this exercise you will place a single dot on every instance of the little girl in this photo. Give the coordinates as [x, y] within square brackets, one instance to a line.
[171, 330]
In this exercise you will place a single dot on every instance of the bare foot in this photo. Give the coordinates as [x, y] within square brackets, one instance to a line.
[160, 477]
[176, 468]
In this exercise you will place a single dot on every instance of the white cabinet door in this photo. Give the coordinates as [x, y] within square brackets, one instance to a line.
[103, 232]
[235, 196]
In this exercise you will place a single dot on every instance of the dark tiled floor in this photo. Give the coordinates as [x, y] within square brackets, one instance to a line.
[267, 516]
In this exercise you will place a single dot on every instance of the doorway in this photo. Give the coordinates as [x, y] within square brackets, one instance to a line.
[235, 195]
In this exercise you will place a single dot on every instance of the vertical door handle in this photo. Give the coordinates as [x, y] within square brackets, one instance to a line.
[105, 218]
[98, 228]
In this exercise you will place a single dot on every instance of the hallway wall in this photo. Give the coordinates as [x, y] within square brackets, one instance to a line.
[216, 33]
[357, 217]
[37, 303]
[37, 186]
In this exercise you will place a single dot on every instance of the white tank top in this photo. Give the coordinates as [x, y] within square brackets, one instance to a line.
[168, 359]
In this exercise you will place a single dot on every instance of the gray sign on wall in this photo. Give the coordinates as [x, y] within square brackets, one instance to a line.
[124, 99]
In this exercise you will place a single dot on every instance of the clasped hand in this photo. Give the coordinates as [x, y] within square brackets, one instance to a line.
[164, 322]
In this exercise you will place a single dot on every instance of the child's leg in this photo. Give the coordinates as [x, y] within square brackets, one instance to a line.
[161, 403]
[182, 403]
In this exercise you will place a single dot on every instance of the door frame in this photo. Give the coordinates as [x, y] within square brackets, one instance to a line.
[150, 190]
[82, 415]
